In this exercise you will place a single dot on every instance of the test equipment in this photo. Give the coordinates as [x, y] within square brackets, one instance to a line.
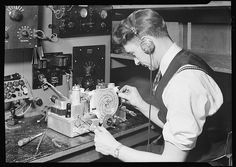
[84, 110]
[21, 23]
[81, 20]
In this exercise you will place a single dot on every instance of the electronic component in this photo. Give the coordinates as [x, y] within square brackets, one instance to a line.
[20, 24]
[16, 88]
[81, 20]
[96, 107]
[88, 65]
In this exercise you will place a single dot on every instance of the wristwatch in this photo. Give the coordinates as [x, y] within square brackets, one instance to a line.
[117, 151]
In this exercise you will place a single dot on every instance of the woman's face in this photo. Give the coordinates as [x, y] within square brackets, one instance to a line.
[132, 47]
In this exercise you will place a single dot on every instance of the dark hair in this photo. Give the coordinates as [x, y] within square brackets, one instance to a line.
[140, 22]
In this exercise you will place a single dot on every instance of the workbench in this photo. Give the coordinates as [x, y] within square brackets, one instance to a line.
[66, 149]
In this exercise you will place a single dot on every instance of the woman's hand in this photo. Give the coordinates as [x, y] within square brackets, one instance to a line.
[104, 142]
[131, 96]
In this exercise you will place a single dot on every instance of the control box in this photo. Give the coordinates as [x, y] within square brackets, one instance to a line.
[20, 24]
[81, 20]
[88, 65]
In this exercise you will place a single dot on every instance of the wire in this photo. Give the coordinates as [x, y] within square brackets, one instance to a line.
[41, 35]
[57, 12]
[19, 115]
[149, 113]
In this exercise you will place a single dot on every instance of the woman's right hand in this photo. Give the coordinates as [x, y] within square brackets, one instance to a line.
[131, 96]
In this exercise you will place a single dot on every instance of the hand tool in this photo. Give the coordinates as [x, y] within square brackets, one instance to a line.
[37, 149]
[27, 139]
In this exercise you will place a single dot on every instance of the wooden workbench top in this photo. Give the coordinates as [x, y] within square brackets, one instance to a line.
[48, 150]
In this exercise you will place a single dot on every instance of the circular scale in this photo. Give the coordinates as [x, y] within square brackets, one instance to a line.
[104, 102]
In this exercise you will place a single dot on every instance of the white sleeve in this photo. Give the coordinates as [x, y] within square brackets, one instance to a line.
[189, 97]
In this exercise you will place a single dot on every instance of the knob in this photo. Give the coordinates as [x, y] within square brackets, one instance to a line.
[15, 15]
[21, 82]
[71, 24]
[16, 83]
[25, 33]
[62, 25]
[103, 25]
[39, 101]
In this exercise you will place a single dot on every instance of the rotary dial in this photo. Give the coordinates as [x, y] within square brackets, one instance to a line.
[24, 32]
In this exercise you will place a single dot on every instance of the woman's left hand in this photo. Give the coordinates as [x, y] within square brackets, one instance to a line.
[104, 142]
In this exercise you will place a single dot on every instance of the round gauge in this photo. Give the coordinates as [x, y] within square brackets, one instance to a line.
[103, 14]
[83, 12]
[25, 32]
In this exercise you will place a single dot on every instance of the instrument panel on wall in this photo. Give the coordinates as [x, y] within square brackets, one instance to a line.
[20, 23]
[88, 65]
[81, 20]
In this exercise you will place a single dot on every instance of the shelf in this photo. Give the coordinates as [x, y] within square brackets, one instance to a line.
[122, 56]
[210, 4]
[219, 63]
[196, 13]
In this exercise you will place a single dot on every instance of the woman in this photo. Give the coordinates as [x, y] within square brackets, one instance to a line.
[186, 94]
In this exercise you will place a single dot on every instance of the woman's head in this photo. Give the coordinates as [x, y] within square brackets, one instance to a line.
[138, 24]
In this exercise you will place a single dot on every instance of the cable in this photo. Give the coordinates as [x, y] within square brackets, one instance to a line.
[149, 113]
[19, 115]
[58, 11]
[41, 35]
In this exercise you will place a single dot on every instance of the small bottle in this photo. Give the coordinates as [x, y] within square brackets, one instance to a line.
[68, 110]
[75, 95]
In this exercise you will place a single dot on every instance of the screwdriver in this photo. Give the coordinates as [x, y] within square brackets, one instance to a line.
[27, 139]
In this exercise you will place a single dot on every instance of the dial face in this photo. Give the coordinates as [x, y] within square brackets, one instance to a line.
[83, 12]
[105, 101]
[24, 33]
[103, 14]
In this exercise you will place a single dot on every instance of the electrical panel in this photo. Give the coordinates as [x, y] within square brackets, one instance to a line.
[88, 65]
[81, 20]
[20, 24]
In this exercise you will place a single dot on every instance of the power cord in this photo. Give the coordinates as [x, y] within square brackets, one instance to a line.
[149, 113]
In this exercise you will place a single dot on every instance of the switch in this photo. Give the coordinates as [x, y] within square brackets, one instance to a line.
[15, 15]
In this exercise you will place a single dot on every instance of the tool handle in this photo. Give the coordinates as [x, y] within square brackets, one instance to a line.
[27, 139]
[24, 141]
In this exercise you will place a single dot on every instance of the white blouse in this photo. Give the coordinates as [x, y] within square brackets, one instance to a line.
[190, 96]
